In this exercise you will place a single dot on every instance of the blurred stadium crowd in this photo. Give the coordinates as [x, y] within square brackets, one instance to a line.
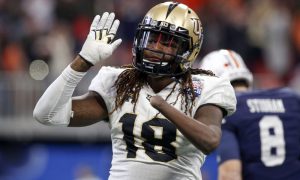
[38, 38]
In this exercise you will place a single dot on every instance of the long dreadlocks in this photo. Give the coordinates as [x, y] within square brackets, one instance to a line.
[131, 81]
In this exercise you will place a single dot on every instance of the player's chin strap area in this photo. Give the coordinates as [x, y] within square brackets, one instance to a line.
[175, 67]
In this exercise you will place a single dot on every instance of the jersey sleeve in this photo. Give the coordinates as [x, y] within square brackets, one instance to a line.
[103, 84]
[228, 148]
[217, 91]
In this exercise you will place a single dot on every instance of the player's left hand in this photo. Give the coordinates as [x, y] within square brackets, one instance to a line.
[99, 44]
[156, 101]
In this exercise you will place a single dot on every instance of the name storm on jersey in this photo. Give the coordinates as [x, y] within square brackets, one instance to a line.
[265, 105]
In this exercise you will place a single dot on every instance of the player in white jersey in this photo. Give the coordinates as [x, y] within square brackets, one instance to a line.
[164, 116]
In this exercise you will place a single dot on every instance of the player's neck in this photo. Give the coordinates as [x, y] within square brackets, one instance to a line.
[241, 88]
[159, 83]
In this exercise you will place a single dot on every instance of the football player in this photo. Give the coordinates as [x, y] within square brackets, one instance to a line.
[164, 116]
[262, 139]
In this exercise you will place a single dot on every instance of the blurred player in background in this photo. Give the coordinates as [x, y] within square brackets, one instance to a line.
[262, 139]
[164, 116]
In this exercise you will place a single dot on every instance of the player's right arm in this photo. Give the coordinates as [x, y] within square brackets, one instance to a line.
[56, 106]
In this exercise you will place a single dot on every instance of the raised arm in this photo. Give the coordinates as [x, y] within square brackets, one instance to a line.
[56, 106]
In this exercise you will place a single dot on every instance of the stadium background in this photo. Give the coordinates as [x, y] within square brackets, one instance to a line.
[38, 38]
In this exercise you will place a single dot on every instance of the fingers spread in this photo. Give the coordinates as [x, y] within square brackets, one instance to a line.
[104, 28]
[114, 27]
[102, 20]
[116, 43]
[109, 21]
[95, 22]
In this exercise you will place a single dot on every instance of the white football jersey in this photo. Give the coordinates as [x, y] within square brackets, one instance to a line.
[150, 147]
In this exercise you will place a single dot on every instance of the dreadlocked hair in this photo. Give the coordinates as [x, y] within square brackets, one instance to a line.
[128, 85]
[131, 80]
[187, 89]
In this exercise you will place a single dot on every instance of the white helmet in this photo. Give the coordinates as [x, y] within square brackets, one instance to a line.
[227, 63]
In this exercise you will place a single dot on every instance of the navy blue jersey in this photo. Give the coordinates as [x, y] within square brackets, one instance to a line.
[266, 131]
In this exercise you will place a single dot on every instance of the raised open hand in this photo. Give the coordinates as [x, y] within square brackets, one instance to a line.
[99, 44]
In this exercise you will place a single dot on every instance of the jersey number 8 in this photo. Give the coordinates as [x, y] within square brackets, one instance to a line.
[272, 141]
